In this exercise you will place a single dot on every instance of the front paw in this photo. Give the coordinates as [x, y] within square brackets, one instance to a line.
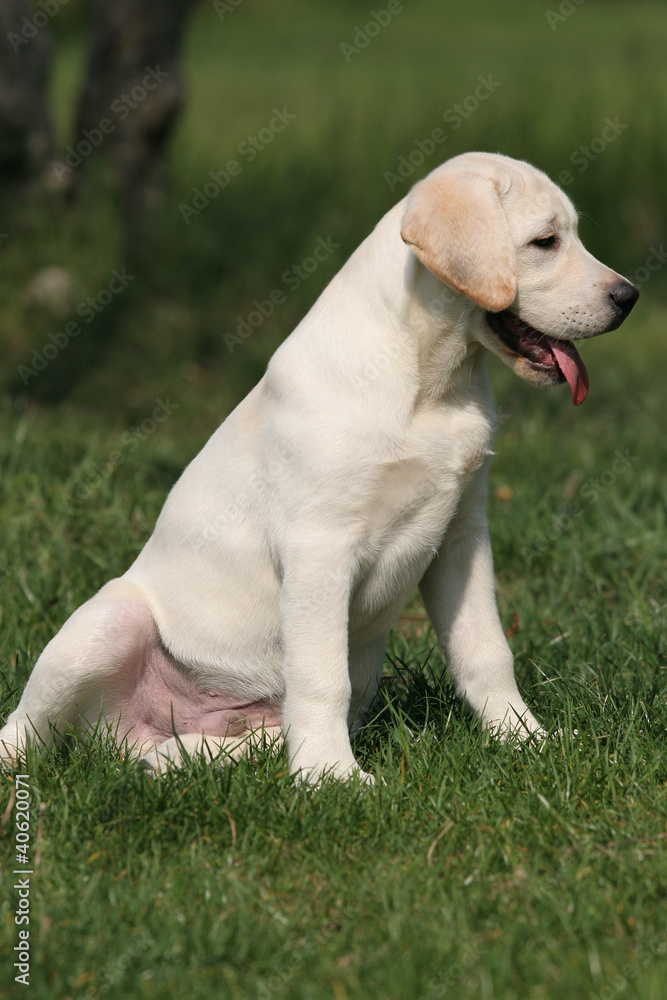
[315, 757]
[315, 775]
[523, 728]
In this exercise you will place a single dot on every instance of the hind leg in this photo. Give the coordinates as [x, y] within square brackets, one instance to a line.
[174, 752]
[80, 674]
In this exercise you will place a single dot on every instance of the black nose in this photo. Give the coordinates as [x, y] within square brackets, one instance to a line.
[624, 295]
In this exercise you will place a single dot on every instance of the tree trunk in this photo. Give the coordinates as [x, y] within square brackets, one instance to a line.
[133, 91]
[26, 137]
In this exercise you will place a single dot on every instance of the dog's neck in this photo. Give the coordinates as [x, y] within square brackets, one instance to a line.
[438, 319]
[409, 316]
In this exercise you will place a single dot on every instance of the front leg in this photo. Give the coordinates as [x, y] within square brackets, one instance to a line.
[315, 601]
[459, 594]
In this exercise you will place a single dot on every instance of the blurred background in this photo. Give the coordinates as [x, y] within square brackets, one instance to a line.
[330, 111]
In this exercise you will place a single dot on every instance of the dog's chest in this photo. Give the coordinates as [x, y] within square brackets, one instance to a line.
[422, 486]
[412, 503]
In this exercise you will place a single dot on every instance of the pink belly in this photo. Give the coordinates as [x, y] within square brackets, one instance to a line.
[157, 700]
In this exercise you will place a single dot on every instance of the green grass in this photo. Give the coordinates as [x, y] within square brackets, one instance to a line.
[474, 869]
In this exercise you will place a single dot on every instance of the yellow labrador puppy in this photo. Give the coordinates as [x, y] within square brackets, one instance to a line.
[353, 472]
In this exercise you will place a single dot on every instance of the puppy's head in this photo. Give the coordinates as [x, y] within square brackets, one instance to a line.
[501, 233]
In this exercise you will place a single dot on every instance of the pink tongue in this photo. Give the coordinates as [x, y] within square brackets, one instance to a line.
[572, 368]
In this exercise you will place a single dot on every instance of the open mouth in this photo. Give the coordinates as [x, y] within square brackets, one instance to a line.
[558, 359]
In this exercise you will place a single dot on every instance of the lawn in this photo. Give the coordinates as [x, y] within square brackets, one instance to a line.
[473, 869]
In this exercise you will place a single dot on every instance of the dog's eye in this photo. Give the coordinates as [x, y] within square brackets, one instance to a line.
[545, 241]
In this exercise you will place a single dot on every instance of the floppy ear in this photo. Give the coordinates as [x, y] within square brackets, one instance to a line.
[457, 228]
